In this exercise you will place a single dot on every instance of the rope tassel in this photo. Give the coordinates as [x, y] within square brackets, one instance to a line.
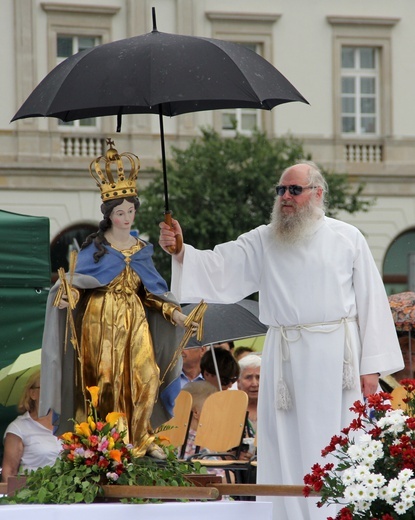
[284, 401]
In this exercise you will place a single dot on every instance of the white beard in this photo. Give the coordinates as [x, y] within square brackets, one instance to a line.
[292, 228]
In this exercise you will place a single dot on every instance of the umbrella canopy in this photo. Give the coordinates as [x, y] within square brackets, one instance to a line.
[166, 74]
[228, 322]
[403, 310]
[13, 378]
[158, 73]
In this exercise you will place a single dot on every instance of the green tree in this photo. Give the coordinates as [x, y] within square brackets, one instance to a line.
[221, 187]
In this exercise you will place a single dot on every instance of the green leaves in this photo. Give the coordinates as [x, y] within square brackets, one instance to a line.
[67, 484]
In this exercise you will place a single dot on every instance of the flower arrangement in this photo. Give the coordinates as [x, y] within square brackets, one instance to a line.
[93, 455]
[373, 477]
[98, 444]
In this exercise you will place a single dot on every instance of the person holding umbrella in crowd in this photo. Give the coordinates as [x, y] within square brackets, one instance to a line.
[330, 327]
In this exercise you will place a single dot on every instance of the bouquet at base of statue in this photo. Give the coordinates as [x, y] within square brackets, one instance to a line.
[96, 454]
[371, 473]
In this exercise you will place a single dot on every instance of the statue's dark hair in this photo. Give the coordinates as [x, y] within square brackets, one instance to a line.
[98, 237]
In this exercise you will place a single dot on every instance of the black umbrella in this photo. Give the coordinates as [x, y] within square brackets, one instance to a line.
[228, 322]
[166, 74]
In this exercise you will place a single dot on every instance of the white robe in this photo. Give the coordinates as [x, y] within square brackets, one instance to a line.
[329, 276]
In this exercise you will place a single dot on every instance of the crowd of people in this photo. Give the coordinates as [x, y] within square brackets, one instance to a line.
[330, 330]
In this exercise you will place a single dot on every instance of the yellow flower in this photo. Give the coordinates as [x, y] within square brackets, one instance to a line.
[68, 436]
[94, 391]
[91, 423]
[83, 429]
[111, 443]
[113, 417]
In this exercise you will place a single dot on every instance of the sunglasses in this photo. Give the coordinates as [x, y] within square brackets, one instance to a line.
[228, 380]
[293, 189]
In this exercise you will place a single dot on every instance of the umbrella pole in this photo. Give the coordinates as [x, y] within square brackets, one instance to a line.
[163, 161]
[167, 213]
[215, 363]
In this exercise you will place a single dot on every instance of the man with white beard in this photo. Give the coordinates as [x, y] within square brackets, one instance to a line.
[330, 332]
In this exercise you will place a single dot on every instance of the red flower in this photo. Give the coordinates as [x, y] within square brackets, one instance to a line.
[306, 491]
[359, 408]
[408, 384]
[103, 463]
[345, 514]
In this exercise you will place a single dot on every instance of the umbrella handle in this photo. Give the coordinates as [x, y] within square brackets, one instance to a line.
[179, 239]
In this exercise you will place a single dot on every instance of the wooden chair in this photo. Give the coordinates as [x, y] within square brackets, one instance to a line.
[220, 429]
[398, 395]
[180, 422]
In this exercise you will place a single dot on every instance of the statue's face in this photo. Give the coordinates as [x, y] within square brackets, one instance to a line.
[123, 215]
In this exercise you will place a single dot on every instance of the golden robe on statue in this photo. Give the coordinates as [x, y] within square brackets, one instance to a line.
[116, 344]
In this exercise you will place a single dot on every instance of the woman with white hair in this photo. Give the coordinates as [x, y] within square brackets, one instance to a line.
[249, 382]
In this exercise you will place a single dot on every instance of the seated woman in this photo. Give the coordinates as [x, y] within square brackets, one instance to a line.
[28, 441]
[228, 368]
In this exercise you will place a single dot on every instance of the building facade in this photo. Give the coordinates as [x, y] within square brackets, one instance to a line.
[351, 59]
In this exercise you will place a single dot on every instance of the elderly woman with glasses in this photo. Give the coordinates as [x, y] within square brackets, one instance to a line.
[28, 441]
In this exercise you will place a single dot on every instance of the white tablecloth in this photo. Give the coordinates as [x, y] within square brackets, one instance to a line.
[221, 510]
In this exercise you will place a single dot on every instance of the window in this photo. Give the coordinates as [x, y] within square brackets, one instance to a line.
[242, 120]
[67, 46]
[362, 88]
[254, 31]
[359, 90]
[72, 28]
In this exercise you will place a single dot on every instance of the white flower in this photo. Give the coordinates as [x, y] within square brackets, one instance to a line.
[410, 485]
[356, 493]
[392, 422]
[362, 472]
[378, 480]
[354, 452]
[405, 474]
[394, 487]
[365, 439]
[371, 493]
[400, 508]
[362, 506]
[112, 476]
[351, 494]
[407, 497]
[347, 477]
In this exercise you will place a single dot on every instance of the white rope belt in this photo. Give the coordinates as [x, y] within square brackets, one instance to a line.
[284, 401]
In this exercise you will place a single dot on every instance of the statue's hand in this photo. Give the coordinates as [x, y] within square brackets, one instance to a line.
[179, 318]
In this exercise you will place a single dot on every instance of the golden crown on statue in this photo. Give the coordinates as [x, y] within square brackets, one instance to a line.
[117, 185]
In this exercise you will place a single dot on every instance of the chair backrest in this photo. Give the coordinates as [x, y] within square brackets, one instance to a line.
[180, 421]
[398, 395]
[222, 421]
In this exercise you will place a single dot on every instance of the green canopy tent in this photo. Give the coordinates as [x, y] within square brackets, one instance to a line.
[24, 285]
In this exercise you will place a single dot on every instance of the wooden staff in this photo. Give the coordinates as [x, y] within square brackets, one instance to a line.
[65, 288]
